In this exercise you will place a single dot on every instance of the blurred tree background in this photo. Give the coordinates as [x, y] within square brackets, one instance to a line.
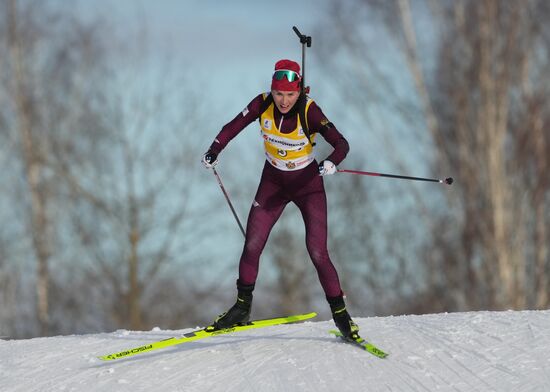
[96, 193]
[466, 93]
[109, 219]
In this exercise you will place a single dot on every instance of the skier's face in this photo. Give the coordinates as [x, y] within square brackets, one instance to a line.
[285, 100]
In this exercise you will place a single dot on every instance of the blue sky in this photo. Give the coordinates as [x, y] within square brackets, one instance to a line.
[231, 45]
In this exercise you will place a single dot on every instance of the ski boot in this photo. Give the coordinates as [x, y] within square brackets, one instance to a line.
[342, 319]
[238, 313]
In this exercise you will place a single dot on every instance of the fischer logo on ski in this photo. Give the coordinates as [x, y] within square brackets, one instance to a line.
[205, 333]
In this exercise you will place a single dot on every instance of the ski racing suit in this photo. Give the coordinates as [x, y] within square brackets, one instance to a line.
[290, 174]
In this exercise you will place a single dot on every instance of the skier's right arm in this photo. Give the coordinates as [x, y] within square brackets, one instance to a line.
[232, 129]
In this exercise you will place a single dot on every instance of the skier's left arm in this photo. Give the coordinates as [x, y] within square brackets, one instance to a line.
[318, 122]
[232, 129]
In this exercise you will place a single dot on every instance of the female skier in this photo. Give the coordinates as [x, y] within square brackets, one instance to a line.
[290, 174]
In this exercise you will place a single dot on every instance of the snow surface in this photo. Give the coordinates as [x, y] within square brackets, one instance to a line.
[479, 351]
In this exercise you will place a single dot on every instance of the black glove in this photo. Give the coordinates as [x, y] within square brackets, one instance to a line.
[210, 159]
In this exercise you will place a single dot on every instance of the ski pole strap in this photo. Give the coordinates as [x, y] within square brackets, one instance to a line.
[448, 180]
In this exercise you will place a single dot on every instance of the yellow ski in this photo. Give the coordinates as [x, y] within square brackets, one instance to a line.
[205, 333]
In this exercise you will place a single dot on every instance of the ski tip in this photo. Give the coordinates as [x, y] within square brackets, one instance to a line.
[107, 358]
[363, 344]
[301, 317]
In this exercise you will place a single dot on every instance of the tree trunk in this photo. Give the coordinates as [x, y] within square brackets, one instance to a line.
[33, 170]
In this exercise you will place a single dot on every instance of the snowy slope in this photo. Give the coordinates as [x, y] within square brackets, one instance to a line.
[486, 351]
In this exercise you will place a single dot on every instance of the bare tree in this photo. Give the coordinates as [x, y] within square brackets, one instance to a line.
[468, 70]
[109, 171]
[34, 167]
[42, 66]
[137, 220]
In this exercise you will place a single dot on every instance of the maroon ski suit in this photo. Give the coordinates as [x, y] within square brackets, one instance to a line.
[277, 188]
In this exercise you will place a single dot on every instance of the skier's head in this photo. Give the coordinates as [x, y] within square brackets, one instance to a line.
[286, 76]
[286, 85]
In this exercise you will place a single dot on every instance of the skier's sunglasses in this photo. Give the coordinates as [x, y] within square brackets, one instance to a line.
[291, 76]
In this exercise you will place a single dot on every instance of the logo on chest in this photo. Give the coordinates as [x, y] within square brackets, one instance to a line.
[267, 124]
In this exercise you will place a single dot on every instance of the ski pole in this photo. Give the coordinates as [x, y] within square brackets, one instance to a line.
[448, 180]
[228, 201]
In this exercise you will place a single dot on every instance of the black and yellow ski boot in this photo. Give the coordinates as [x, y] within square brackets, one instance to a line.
[238, 313]
[342, 319]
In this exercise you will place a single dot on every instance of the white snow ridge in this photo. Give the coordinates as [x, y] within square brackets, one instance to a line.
[479, 351]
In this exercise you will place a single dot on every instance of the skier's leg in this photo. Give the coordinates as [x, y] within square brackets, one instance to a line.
[313, 206]
[265, 211]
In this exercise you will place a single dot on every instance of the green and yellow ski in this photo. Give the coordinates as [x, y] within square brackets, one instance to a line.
[205, 333]
[362, 343]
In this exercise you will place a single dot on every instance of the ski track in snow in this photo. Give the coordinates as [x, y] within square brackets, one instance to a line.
[478, 351]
